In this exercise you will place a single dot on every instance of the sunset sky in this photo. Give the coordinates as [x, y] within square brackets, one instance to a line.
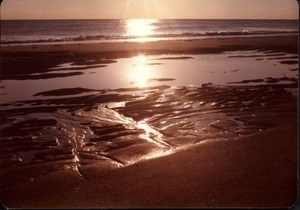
[123, 9]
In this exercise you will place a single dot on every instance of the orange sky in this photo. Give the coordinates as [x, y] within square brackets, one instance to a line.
[110, 9]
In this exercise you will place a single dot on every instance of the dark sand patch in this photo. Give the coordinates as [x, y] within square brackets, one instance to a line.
[294, 81]
[64, 91]
[256, 56]
[40, 76]
[160, 79]
[80, 68]
[154, 64]
[295, 69]
[289, 62]
[248, 81]
[280, 58]
[44, 62]
[175, 58]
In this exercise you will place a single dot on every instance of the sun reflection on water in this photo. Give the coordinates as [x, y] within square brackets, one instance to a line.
[140, 28]
[140, 72]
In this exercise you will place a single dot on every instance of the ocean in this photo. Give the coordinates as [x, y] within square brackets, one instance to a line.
[52, 31]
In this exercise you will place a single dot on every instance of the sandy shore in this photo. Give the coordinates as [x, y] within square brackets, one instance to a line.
[40, 58]
[217, 45]
[257, 170]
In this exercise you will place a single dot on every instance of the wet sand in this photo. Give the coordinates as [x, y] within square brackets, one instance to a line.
[117, 49]
[242, 141]
[255, 171]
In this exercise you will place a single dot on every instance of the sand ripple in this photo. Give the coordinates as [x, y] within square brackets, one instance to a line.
[115, 128]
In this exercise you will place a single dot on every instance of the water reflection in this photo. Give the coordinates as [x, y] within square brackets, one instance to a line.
[140, 28]
[151, 134]
[140, 72]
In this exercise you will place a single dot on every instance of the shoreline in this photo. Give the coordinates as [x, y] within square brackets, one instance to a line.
[44, 58]
[210, 45]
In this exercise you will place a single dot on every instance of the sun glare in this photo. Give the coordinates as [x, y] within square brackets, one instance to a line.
[140, 27]
[140, 73]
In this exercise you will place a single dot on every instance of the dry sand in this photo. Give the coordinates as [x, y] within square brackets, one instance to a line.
[259, 170]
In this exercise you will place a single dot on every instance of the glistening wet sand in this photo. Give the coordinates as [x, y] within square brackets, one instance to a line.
[158, 146]
[254, 171]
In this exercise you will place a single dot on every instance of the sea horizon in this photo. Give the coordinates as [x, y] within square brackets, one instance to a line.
[103, 30]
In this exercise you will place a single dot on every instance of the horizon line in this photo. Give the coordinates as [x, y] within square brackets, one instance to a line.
[153, 18]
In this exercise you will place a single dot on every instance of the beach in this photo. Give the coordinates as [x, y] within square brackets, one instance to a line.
[158, 145]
